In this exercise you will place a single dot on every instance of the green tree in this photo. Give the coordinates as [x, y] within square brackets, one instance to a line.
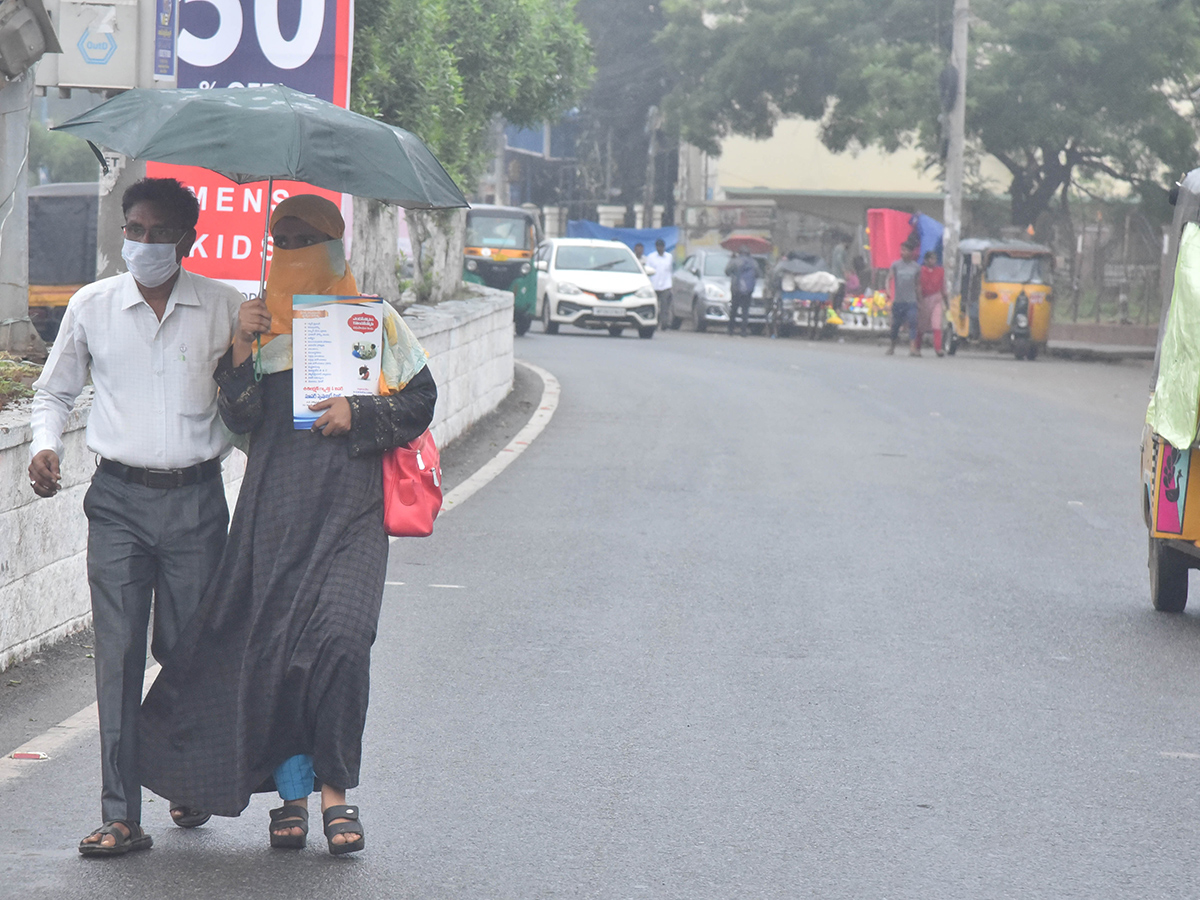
[443, 69]
[59, 156]
[1060, 91]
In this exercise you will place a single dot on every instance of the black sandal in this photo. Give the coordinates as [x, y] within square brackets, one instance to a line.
[351, 827]
[288, 816]
[124, 843]
[189, 816]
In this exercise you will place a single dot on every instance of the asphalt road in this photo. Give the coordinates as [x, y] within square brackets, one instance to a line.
[751, 618]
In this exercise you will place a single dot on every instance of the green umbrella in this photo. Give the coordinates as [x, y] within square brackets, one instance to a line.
[259, 134]
[264, 133]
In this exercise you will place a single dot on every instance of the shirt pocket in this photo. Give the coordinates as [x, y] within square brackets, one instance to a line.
[197, 389]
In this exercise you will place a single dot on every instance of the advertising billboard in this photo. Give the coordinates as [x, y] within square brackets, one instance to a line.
[303, 44]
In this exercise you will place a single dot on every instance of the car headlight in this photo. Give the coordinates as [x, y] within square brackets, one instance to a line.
[565, 288]
[526, 268]
[644, 293]
[715, 292]
[472, 265]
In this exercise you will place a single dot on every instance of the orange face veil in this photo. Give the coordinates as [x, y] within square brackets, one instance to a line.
[317, 269]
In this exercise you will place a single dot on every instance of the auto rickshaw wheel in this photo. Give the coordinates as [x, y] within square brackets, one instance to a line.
[950, 340]
[521, 320]
[1168, 577]
[1033, 352]
[1021, 348]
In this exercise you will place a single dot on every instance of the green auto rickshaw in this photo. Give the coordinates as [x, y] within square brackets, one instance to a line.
[499, 253]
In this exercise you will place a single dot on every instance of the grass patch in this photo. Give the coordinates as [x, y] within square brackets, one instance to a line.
[16, 379]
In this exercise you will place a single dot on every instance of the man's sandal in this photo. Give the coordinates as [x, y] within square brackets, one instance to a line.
[288, 816]
[351, 827]
[189, 816]
[123, 843]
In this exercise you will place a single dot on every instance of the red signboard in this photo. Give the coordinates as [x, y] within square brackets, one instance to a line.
[304, 44]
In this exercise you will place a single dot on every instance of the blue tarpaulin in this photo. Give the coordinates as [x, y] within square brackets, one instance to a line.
[581, 228]
[930, 231]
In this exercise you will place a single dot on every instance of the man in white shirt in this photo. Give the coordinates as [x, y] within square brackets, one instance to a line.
[156, 510]
[660, 279]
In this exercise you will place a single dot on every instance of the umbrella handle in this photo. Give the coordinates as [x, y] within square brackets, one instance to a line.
[262, 277]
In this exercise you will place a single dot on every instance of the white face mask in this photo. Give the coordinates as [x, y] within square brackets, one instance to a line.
[150, 264]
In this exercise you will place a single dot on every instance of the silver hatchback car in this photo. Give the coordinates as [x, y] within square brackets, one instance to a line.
[700, 292]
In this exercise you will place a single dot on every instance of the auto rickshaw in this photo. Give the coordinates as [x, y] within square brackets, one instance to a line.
[1171, 475]
[499, 253]
[1004, 296]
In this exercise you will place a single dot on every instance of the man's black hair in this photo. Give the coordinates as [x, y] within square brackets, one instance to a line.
[660, 242]
[168, 195]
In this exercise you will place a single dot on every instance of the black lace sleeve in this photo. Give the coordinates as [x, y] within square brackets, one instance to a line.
[240, 399]
[380, 423]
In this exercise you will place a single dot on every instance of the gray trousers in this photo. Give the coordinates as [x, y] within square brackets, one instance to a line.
[143, 543]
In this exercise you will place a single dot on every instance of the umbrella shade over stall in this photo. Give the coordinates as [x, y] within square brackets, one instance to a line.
[258, 134]
[751, 243]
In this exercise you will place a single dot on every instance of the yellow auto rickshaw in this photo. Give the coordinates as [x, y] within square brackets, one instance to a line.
[1004, 296]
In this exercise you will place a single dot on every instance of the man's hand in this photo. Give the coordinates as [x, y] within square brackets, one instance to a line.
[336, 420]
[44, 476]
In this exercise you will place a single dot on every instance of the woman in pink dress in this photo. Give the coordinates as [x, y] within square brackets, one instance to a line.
[933, 296]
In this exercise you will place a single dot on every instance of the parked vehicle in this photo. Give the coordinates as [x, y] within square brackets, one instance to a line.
[1005, 296]
[1171, 475]
[800, 295]
[499, 253]
[700, 291]
[62, 249]
[595, 285]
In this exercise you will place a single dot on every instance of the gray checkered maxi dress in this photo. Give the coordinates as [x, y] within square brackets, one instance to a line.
[276, 660]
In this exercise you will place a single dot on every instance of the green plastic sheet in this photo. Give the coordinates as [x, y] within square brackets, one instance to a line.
[1176, 402]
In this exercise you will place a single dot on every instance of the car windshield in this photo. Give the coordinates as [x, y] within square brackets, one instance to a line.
[596, 259]
[715, 263]
[1018, 270]
[494, 231]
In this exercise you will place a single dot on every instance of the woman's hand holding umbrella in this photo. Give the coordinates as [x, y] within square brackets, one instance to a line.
[253, 319]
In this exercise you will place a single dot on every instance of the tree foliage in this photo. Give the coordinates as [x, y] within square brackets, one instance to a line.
[443, 68]
[1060, 91]
[59, 157]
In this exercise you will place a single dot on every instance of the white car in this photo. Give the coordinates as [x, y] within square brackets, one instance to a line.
[593, 284]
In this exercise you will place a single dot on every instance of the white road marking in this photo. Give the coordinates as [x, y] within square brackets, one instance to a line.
[395, 583]
[1179, 755]
[86, 720]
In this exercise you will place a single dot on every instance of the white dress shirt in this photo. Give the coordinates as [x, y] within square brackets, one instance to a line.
[155, 403]
[661, 263]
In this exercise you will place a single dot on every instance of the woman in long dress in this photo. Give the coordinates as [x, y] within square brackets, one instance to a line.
[932, 302]
[267, 688]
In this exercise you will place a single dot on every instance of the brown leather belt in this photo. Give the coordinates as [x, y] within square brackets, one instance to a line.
[163, 478]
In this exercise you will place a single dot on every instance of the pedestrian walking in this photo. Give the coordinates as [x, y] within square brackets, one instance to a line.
[267, 688]
[156, 511]
[933, 301]
[904, 278]
[742, 272]
[663, 267]
[639, 250]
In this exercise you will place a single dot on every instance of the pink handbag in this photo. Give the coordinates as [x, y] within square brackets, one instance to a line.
[412, 488]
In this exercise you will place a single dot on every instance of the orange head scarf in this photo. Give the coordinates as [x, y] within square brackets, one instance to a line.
[318, 269]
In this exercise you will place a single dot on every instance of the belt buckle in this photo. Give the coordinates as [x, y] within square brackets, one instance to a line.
[164, 478]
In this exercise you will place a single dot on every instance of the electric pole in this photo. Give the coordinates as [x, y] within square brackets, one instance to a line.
[653, 124]
[956, 122]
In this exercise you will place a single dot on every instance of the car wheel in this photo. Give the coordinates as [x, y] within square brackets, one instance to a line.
[615, 330]
[647, 332]
[1168, 577]
[699, 323]
[548, 326]
[521, 320]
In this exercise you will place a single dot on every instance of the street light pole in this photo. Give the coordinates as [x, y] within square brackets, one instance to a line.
[956, 119]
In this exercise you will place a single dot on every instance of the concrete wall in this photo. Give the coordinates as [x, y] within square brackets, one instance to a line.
[43, 566]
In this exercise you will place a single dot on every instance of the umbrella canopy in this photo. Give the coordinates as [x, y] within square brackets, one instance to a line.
[256, 134]
[751, 243]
